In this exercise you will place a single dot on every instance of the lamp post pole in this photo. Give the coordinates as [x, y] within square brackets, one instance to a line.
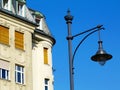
[100, 56]
[69, 19]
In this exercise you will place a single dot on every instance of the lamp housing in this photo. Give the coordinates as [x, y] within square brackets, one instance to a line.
[101, 55]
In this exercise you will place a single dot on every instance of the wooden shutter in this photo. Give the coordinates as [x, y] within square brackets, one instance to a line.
[4, 35]
[45, 55]
[19, 40]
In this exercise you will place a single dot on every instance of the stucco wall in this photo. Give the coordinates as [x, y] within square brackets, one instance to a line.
[17, 56]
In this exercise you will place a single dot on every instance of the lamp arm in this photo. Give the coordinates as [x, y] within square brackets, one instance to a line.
[82, 42]
[97, 27]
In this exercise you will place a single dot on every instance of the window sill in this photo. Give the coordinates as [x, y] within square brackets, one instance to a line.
[20, 84]
[5, 79]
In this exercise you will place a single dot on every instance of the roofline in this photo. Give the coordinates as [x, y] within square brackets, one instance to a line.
[17, 16]
[46, 35]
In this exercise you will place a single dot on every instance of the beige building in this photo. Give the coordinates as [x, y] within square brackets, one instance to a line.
[25, 48]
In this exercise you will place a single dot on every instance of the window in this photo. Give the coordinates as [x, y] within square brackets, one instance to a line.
[20, 8]
[4, 35]
[46, 84]
[19, 40]
[19, 74]
[4, 69]
[3, 73]
[45, 55]
[5, 4]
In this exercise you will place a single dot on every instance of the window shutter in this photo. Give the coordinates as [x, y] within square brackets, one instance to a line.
[19, 40]
[4, 35]
[45, 55]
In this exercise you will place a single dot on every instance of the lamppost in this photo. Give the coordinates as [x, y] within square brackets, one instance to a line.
[101, 56]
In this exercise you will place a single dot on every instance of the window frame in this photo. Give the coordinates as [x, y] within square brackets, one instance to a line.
[4, 74]
[19, 74]
[20, 8]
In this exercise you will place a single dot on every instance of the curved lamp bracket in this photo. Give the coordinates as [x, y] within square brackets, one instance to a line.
[93, 30]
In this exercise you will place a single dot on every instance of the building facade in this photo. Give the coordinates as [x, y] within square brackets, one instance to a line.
[25, 48]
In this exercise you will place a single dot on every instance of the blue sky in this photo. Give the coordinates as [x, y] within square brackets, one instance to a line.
[88, 75]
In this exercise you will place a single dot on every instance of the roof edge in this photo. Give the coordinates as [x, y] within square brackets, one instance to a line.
[17, 16]
[46, 35]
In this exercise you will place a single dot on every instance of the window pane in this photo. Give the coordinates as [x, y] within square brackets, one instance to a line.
[46, 81]
[18, 68]
[46, 87]
[22, 69]
[3, 73]
[19, 77]
[22, 78]
[7, 77]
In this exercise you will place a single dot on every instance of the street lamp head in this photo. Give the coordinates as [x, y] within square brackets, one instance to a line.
[101, 56]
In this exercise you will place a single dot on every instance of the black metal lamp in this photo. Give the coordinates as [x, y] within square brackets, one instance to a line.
[101, 55]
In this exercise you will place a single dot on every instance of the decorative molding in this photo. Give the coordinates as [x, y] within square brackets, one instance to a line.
[19, 29]
[5, 23]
